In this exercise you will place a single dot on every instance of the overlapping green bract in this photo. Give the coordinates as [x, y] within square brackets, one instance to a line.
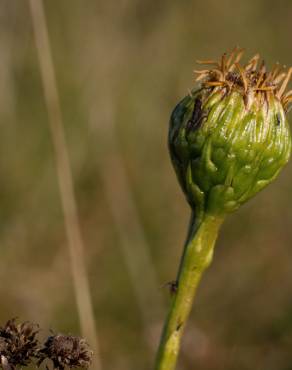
[225, 148]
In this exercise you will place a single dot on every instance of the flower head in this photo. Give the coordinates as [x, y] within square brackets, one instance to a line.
[230, 138]
[18, 343]
[66, 351]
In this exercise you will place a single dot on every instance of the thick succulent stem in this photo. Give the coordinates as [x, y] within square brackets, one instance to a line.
[196, 258]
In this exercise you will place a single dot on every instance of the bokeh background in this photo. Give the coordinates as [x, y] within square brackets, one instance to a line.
[121, 66]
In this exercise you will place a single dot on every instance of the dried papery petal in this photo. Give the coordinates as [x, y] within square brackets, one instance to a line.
[248, 76]
[284, 84]
[252, 64]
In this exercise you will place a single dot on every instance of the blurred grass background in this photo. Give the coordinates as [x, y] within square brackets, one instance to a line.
[121, 67]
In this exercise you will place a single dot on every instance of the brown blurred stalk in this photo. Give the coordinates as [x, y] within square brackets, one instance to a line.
[75, 242]
[7, 25]
[118, 193]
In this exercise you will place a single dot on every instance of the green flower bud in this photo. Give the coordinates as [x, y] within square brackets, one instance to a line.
[230, 138]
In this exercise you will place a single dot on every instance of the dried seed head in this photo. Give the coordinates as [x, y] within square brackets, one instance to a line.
[18, 343]
[230, 138]
[66, 351]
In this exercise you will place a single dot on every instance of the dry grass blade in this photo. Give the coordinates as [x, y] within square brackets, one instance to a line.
[75, 242]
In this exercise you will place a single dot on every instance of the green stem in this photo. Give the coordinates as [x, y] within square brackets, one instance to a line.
[196, 258]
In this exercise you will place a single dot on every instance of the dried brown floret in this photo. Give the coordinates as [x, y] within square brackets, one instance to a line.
[18, 344]
[66, 351]
[249, 78]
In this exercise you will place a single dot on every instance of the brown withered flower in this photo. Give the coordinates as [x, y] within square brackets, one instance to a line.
[18, 344]
[66, 351]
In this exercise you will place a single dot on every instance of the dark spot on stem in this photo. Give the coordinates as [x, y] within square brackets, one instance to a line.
[278, 119]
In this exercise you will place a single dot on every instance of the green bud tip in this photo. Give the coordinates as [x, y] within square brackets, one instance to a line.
[229, 138]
